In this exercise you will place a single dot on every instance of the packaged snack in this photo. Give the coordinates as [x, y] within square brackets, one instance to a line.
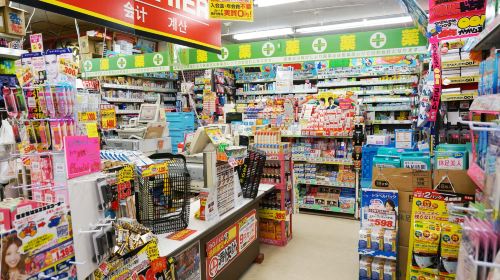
[378, 269]
[426, 246]
[377, 239]
[365, 267]
[364, 238]
[451, 234]
[390, 241]
[390, 270]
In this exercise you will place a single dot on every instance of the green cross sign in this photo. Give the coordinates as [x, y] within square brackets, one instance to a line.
[319, 45]
[122, 62]
[268, 49]
[88, 65]
[158, 59]
[378, 40]
[223, 54]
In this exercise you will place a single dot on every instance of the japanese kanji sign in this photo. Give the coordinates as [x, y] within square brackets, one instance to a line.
[183, 22]
[235, 10]
[125, 65]
[390, 42]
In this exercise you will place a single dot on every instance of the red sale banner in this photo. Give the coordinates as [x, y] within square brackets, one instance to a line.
[181, 21]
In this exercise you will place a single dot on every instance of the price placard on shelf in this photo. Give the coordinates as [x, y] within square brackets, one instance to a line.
[271, 214]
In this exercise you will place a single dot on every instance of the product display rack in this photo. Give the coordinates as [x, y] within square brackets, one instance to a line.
[276, 208]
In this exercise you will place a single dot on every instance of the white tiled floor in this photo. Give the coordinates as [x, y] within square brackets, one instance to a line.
[321, 248]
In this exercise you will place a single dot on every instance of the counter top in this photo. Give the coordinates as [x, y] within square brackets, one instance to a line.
[169, 247]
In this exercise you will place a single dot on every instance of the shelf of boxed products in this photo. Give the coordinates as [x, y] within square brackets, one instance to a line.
[392, 122]
[466, 95]
[318, 160]
[141, 88]
[489, 37]
[127, 112]
[259, 81]
[366, 72]
[385, 92]
[326, 208]
[376, 82]
[388, 108]
[316, 136]
[458, 64]
[385, 99]
[123, 100]
[325, 183]
[272, 92]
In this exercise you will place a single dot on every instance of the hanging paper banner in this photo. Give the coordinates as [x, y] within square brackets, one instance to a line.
[235, 10]
[436, 66]
[389, 42]
[181, 22]
[125, 65]
[418, 15]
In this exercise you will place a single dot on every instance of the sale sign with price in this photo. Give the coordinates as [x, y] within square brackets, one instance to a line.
[108, 116]
[379, 208]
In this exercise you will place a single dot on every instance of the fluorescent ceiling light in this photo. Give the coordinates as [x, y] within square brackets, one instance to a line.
[357, 24]
[263, 34]
[267, 3]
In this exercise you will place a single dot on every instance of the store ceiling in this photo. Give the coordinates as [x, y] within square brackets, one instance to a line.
[306, 13]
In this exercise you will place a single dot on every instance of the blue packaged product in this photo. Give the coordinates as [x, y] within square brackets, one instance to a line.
[387, 161]
[489, 72]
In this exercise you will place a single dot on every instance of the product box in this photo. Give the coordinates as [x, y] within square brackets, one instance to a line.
[404, 180]
[10, 208]
[451, 160]
[4, 3]
[87, 45]
[386, 161]
[380, 140]
[14, 21]
[2, 19]
[420, 161]
[453, 181]
[404, 138]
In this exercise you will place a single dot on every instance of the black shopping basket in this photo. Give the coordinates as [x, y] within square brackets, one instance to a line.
[162, 200]
[251, 172]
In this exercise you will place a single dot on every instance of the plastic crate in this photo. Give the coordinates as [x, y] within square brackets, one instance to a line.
[180, 126]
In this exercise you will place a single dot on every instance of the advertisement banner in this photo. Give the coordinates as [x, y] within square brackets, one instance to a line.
[379, 208]
[389, 42]
[230, 243]
[456, 19]
[82, 155]
[126, 65]
[234, 10]
[181, 22]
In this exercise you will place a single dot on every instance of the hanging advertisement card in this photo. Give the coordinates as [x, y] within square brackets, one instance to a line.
[82, 155]
[235, 10]
[36, 41]
[108, 117]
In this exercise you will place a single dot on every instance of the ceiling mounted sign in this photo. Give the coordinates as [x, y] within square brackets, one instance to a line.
[182, 22]
[234, 10]
[126, 65]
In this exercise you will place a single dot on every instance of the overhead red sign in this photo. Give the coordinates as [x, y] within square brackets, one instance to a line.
[179, 21]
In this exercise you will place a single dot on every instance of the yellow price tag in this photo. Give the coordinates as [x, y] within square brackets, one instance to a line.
[92, 130]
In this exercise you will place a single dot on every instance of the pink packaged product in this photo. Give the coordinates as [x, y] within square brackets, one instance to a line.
[9, 208]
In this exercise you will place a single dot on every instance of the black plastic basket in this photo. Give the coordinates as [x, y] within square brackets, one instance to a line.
[162, 201]
[251, 173]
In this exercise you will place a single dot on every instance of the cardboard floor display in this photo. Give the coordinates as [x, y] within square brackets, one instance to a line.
[405, 181]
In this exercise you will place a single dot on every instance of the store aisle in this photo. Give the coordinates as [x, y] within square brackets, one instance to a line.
[322, 248]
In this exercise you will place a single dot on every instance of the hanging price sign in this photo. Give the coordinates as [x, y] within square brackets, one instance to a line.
[108, 117]
[87, 116]
[68, 68]
[382, 219]
[278, 215]
[24, 76]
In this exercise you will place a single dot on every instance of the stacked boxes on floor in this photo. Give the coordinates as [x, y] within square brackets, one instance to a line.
[179, 124]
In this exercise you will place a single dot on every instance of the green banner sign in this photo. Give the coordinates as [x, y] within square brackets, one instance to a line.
[124, 65]
[339, 46]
